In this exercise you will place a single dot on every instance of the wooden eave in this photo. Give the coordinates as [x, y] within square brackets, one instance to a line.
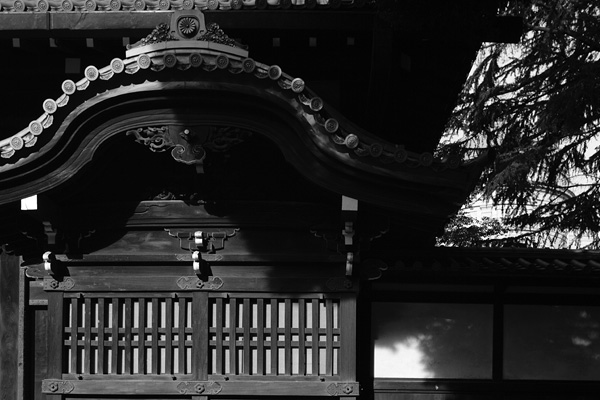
[561, 264]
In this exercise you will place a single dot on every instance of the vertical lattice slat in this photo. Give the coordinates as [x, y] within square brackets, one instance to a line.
[232, 337]
[142, 336]
[127, 338]
[87, 334]
[315, 337]
[274, 337]
[288, 336]
[246, 337]
[115, 336]
[260, 337]
[301, 337]
[329, 337]
[220, 353]
[74, 332]
[169, 336]
[181, 335]
[101, 337]
[154, 337]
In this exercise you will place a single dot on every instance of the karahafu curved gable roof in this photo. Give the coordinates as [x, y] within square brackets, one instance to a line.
[344, 157]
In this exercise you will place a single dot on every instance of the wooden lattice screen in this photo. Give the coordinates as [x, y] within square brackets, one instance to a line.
[206, 342]
[126, 335]
[274, 336]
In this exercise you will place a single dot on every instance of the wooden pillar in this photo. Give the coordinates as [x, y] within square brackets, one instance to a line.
[9, 328]
[200, 339]
[55, 338]
[348, 328]
[200, 336]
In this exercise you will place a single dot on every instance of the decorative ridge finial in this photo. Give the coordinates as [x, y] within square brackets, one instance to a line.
[187, 25]
[160, 34]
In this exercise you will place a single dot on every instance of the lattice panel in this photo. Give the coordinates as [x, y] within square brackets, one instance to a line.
[274, 336]
[128, 335]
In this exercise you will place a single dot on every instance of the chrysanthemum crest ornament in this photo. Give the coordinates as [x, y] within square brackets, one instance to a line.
[186, 30]
[187, 25]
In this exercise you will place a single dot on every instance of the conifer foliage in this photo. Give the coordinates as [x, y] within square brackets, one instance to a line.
[535, 107]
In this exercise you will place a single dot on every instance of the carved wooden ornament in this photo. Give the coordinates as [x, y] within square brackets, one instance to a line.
[343, 389]
[204, 388]
[195, 283]
[53, 284]
[56, 386]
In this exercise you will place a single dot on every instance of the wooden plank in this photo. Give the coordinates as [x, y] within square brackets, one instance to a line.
[23, 300]
[233, 337]
[75, 308]
[116, 387]
[128, 317]
[38, 343]
[154, 338]
[247, 311]
[122, 295]
[274, 337]
[260, 337]
[348, 327]
[200, 336]
[329, 337]
[142, 336]
[169, 336]
[133, 283]
[55, 335]
[219, 333]
[87, 335]
[315, 337]
[181, 335]
[301, 337]
[101, 337]
[114, 368]
[288, 336]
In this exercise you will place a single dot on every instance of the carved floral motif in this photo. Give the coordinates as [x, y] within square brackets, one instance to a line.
[184, 144]
[53, 284]
[205, 388]
[188, 26]
[343, 389]
[160, 34]
[216, 35]
[193, 282]
[189, 144]
[56, 386]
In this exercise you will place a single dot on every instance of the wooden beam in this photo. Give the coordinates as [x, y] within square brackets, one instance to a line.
[23, 302]
[276, 387]
[9, 323]
[123, 23]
